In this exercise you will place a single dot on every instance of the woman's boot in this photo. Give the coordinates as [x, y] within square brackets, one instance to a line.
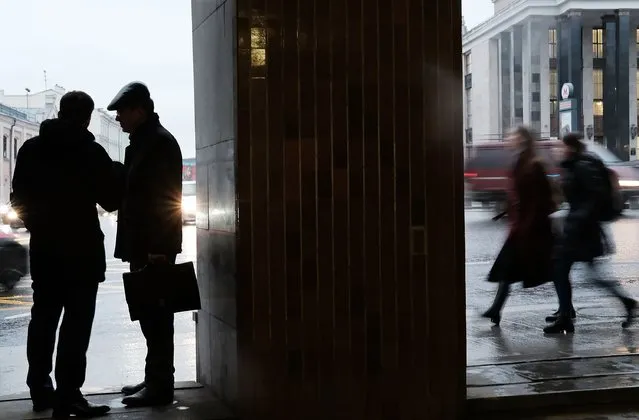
[563, 324]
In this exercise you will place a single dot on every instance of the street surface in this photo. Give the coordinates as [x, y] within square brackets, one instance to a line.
[117, 350]
[598, 325]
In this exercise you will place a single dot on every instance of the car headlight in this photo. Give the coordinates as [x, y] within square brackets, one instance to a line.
[13, 215]
[188, 206]
[628, 183]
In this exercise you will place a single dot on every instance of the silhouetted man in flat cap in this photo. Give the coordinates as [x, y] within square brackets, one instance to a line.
[60, 171]
[149, 228]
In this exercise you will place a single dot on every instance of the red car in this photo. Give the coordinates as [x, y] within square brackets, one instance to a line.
[487, 168]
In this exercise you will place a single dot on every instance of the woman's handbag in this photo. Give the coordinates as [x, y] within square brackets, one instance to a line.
[170, 286]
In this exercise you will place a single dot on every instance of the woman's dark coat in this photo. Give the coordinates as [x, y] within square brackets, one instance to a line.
[527, 253]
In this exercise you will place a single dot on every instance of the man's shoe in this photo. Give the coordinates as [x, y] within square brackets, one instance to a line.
[133, 389]
[149, 398]
[42, 402]
[79, 408]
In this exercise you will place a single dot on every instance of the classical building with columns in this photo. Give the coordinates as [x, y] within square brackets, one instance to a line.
[516, 63]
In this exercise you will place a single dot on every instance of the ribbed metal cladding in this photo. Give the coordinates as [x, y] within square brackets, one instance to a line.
[350, 251]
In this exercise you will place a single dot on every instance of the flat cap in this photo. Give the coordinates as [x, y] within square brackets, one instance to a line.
[134, 93]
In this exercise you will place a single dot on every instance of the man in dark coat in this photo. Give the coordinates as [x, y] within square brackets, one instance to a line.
[60, 171]
[149, 228]
[583, 238]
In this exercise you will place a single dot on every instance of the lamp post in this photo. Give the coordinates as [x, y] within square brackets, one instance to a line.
[28, 91]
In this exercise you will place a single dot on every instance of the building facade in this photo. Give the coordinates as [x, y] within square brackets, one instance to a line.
[516, 63]
[44, 105]
[15, 128]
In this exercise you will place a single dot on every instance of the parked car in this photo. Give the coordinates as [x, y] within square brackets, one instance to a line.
[14, 261]
[486, 172]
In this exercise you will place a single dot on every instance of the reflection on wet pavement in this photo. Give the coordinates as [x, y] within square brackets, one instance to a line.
[517, 358]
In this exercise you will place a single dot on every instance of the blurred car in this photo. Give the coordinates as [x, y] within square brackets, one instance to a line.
[188, 202]
[11, 217]
[14, 260]
[487, 169]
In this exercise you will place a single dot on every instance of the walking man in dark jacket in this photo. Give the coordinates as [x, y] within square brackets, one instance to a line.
[61, 170]
[583, 238]
[149, 228]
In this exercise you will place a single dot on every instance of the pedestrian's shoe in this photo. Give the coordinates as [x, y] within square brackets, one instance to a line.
[631, 312]
[149, 398]
[133, 389]
[79, 408]
[560, 326]
[494, 316]
[42, 401]
[555, 315]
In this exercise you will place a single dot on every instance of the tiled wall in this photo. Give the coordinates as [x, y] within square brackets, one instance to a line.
[347, 256]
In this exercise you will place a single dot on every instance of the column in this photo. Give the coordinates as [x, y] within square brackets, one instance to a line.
[544, 80]
[625, 36]
[495, 88]
[517, 75]
[569, 62]
[588, 88]
[526, 71]
[538, 36]
[616, 72]
[507, 81]
[632, 89]
[320, 270]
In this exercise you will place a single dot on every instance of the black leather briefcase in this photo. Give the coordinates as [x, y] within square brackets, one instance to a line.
[169, 286]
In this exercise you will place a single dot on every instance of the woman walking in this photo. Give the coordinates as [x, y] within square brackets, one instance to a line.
[583, 238]
[527, 252]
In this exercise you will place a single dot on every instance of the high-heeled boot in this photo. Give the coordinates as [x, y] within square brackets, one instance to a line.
[493, 315]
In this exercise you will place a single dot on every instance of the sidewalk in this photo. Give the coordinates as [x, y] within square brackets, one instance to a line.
[190, 404]
[517, 367]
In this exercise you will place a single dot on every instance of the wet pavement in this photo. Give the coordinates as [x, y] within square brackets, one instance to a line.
[517, 359]
[117, 350]
[192, 403]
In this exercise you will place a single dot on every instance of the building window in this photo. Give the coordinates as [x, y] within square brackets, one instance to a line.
[4, 146]
[552, 43]
[469, 109]
[15, 148]
[597, 43]
[467, 63]
[597, 85]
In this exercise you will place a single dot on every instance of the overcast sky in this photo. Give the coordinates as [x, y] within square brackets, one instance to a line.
[98, 46]
[476, 11]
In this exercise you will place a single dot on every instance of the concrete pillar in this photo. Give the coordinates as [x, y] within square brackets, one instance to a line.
[632, 89]
[495, 89]
[300, 317]
[544, 79]
[588, 88]
[569, 62]
[527, 70]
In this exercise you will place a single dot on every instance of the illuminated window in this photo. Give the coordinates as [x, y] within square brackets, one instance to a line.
[258, 49]
[597, 108]
[597, 84]
[554, 84]
[597, 43]
[552, 43]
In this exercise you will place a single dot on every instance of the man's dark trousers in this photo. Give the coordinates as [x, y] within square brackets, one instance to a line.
[50, 296]
[158, 329]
